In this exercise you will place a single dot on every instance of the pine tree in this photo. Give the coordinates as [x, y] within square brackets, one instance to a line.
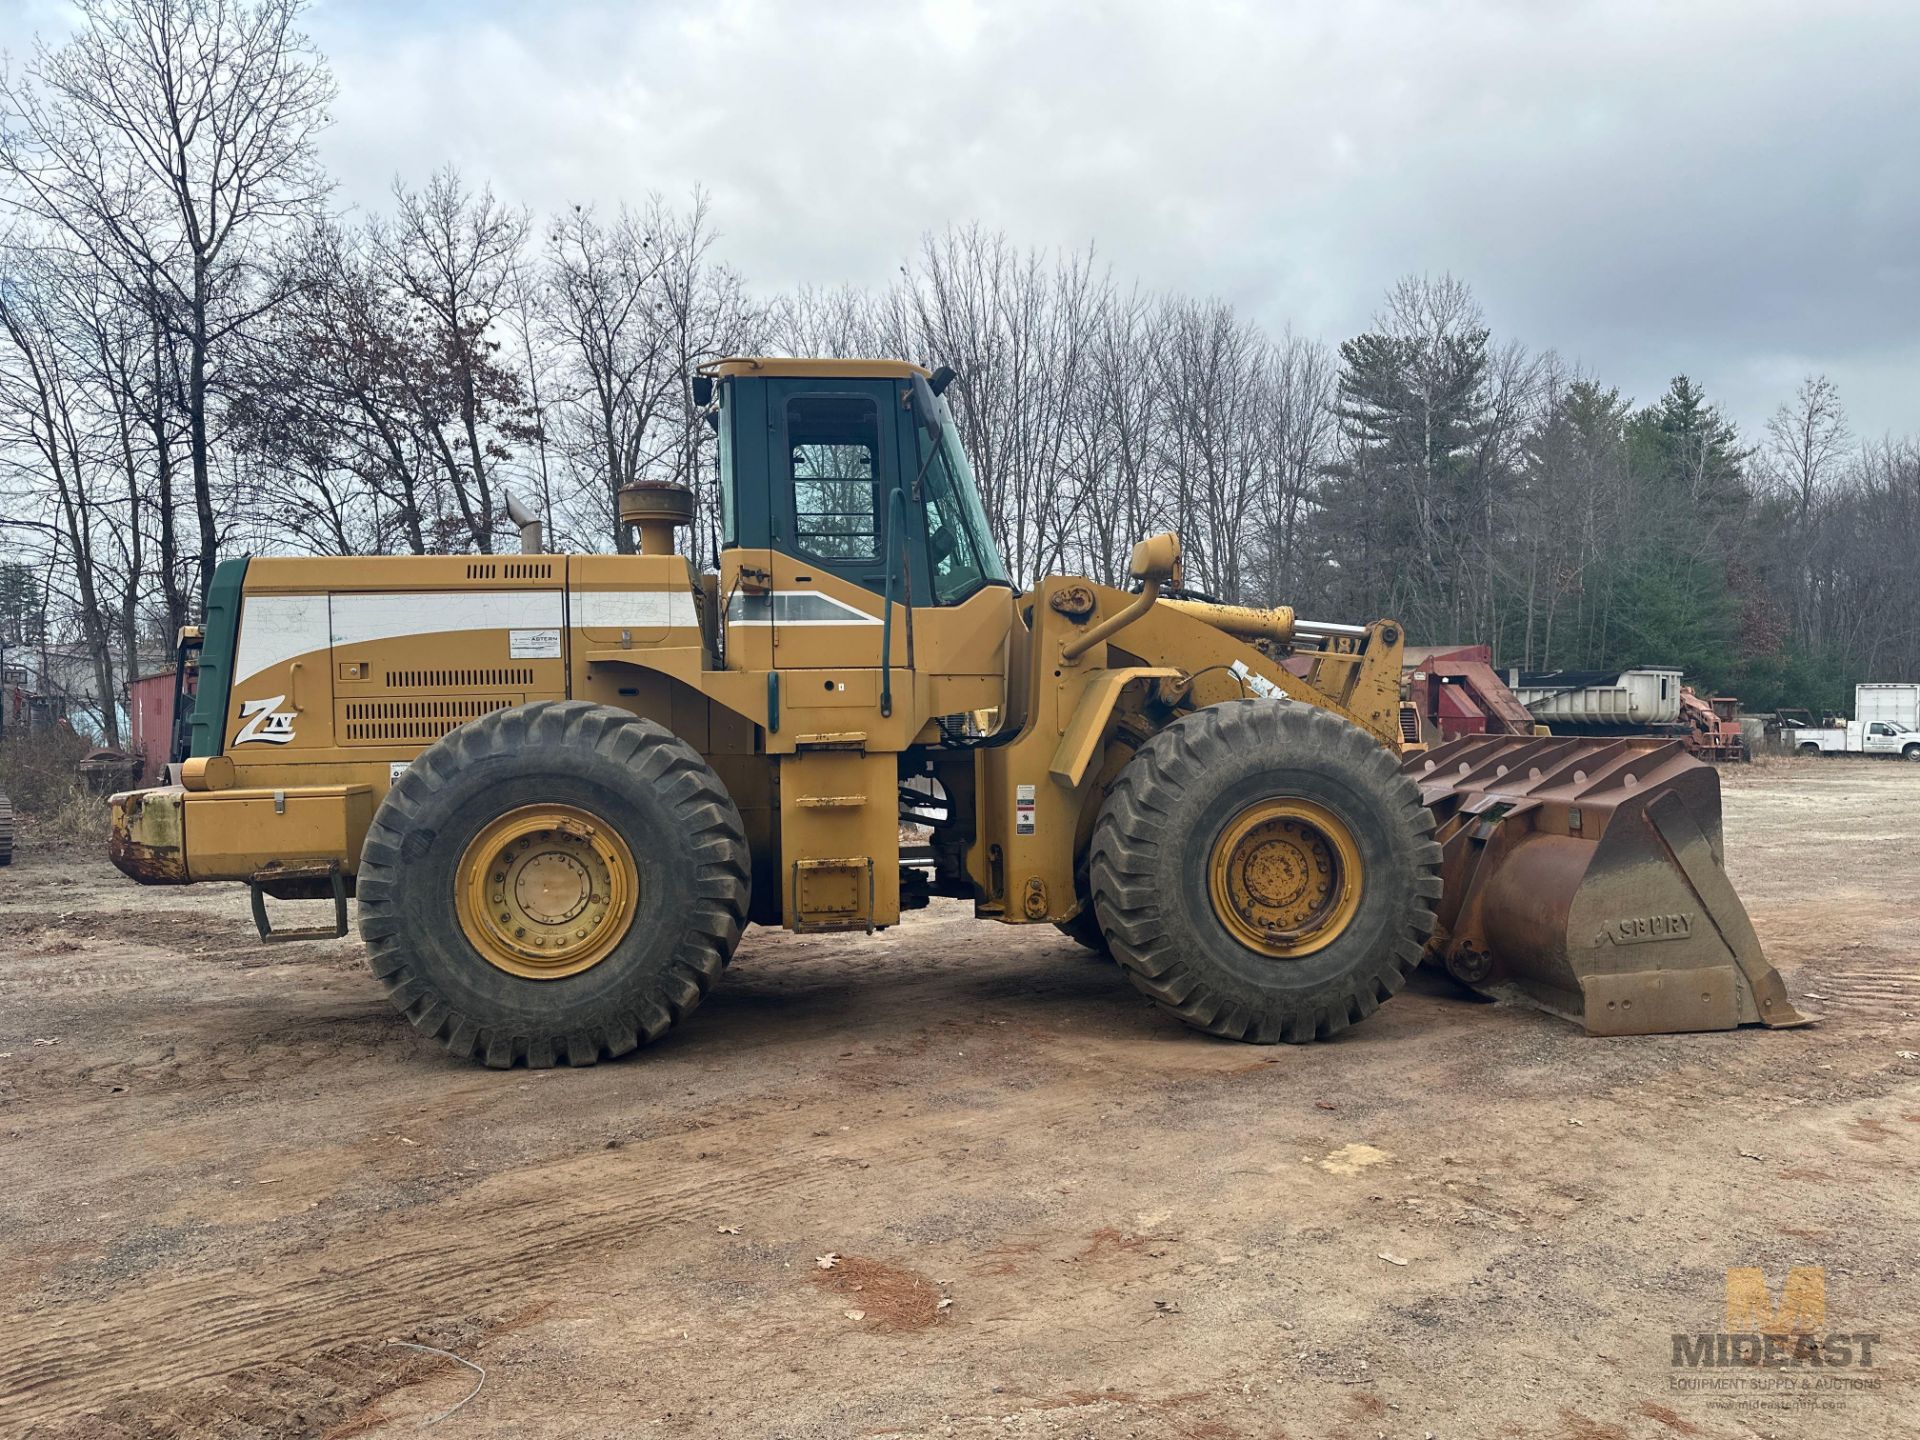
[1413, 410]
[20, 604]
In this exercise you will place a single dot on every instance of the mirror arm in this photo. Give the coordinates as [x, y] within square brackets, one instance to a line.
[925, 464]
[1115, 623]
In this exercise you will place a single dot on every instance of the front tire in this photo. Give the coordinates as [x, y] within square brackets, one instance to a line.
[1084, 930]
[1265, 871]
[558, 882]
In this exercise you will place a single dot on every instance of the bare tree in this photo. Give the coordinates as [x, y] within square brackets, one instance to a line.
[47, 415]
[170, 141]
[453, 254]
[1299, 434]
[606, 309]
[1807, 441]
[707, 314]
[328, 420]
[1015, 327]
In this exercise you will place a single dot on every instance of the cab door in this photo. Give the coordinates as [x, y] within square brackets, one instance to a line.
[832, 468]
[835, 465]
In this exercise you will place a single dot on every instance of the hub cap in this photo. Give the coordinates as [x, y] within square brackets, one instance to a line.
[1284, 877]
[546, 891]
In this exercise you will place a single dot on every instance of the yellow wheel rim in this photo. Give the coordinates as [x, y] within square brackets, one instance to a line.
[1284, 877]
[546, 891]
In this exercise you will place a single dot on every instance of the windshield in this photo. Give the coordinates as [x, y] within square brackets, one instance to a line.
[958, 540]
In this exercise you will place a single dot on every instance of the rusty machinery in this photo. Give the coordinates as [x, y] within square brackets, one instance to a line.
[1712, 726]
[1453, 690]
[562, 785]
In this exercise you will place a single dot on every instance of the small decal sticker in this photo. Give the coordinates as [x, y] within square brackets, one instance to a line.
[395, 770]
[1258, 684]
[533, 644]
[1023, 803]
[266, 722]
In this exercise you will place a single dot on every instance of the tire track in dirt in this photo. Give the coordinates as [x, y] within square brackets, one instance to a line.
[468, 1251]
[1883, 994]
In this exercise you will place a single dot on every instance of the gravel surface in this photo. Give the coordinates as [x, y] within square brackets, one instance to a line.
[234, 1177]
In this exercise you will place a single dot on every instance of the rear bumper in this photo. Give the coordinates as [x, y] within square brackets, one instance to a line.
[173, 836]
[148, 839]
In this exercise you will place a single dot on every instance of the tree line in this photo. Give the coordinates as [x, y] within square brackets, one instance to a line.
[203, 354]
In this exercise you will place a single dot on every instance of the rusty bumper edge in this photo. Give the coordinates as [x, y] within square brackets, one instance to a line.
[148, 839]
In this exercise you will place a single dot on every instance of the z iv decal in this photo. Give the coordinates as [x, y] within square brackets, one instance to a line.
[265, 722]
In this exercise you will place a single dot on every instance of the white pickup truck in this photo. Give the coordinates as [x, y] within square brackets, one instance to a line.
[1859, 737]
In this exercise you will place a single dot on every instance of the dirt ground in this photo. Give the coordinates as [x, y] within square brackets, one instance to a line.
[233, 1177]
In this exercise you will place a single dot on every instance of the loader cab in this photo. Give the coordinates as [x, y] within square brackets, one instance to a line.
[833, 464]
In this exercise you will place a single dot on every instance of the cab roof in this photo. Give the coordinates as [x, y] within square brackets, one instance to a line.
[785, 365]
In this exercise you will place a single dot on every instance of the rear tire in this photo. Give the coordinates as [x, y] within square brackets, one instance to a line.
[1809, 749]
[672, 855]
[1166, 836]
[1911, 752]
[6, 829]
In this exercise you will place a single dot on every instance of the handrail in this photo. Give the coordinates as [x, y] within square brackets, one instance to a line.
[896, 521]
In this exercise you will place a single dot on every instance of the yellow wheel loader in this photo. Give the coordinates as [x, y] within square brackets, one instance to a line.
[561, 786]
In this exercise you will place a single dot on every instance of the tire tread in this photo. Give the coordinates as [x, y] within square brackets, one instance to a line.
[1143, 928]
[656, 757]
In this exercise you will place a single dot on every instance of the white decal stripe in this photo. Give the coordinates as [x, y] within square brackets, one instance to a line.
[276, 628]
[633, 610]
[791, 607]
[360, 617]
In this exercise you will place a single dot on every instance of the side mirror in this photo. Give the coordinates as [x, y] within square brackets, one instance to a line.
[703, 390]
[942, 378]
[926, 408]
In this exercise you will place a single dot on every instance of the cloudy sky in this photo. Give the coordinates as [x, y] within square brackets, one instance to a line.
[1729, 187]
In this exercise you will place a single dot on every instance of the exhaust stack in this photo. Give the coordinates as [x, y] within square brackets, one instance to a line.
[532, 541]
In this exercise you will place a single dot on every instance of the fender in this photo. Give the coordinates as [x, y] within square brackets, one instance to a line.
[1080, 741]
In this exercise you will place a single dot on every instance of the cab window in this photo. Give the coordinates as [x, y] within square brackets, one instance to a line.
[957, 569]
[959, 543]
[833, 457]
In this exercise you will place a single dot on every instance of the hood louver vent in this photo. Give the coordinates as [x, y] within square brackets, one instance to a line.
[517, 678]
[510, 570]
[371, 722]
